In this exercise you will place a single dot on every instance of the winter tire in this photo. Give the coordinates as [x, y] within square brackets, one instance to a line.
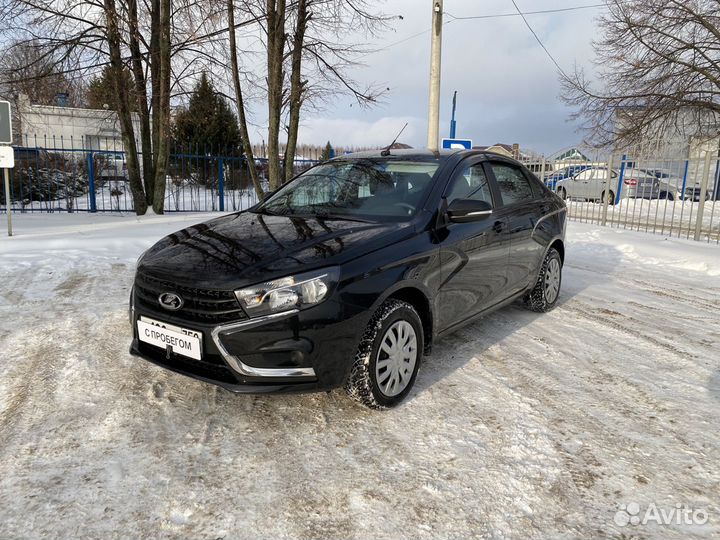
[610, 199]
[388, 357]
[546, 292]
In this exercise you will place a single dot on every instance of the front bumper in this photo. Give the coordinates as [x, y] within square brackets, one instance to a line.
[296, 351]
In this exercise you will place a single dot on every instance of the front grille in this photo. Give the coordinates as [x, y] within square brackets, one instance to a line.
[206, 306]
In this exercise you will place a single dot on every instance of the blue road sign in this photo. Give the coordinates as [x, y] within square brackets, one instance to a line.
[456, 144]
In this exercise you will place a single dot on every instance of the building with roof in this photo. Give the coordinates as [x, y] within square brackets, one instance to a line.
[64, 128]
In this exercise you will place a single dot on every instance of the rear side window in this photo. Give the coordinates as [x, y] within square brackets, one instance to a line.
[514, 185]
[471, 183]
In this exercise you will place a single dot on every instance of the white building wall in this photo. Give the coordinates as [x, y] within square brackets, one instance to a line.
[67, 127]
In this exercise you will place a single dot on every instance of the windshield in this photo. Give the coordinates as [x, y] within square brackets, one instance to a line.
[369, 189]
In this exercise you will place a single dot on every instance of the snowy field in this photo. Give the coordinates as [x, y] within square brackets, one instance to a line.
[520, 426]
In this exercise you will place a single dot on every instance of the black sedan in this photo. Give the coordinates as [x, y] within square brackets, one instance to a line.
[346, 275]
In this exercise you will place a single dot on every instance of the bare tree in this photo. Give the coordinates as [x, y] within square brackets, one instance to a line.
[165, 46]
[302, 17]
[659, 68]
[162, 149]
[123, 106]
[27, 69]
[123, 35]
[275, 29]
[240, 102]
[322, 58]
[138, 70]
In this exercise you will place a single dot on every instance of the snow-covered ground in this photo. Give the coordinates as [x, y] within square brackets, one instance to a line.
[520, 426]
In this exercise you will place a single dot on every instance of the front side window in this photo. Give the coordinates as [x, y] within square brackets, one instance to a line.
[471, 183]
[514, 186]
[361, 189]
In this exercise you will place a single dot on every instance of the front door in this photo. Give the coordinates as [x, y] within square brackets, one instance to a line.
[473, 255]
[522, 207]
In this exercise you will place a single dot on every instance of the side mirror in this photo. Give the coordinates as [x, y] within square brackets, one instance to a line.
[467, 210]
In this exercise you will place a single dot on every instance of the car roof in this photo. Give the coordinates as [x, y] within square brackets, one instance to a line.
[419, 154]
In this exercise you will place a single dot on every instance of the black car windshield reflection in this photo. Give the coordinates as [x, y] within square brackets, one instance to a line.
[362, 190]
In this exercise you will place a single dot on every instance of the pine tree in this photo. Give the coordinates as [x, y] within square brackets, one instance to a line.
[101, 91]
[328, 152]
[208, 125]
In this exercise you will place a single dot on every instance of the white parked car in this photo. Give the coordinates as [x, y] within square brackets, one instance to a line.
[589, 185]
[110, 166]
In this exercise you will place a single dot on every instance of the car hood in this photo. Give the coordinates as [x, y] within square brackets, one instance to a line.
[245, 248]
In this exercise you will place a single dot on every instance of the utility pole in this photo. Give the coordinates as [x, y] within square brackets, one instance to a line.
[435, 55]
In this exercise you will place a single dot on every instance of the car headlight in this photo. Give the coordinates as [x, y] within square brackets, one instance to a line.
[292, 292]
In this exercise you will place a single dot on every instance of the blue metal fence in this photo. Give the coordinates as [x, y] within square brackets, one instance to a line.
[60, 176]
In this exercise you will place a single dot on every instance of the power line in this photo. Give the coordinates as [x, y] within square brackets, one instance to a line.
[538, 39]
[394, 43]
[539, 12]
[491, 16]
[388, 46]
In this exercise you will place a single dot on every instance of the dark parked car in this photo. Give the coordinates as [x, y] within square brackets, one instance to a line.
[348, 274]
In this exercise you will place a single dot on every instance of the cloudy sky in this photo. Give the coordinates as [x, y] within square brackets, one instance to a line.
[507, 87]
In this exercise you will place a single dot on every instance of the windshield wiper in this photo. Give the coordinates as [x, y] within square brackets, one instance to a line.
[264, 211]
[324, 214]
[280, 208]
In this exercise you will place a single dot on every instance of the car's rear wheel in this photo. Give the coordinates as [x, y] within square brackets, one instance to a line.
[610, 198]
[563, 194]
[388, 356]
[546, 292]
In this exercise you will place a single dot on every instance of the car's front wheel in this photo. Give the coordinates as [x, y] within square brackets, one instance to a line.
[562, 193]
[545, 294]
[388, 358]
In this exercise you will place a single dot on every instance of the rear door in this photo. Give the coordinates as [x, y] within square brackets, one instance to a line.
[473, 255]
[522, 207]
[648, 186]
[583, 184]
